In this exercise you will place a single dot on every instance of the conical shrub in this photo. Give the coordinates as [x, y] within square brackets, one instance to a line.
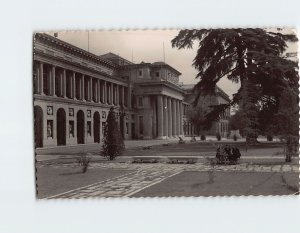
[113, 144]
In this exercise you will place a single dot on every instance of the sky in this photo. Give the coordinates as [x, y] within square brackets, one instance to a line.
[143, 46]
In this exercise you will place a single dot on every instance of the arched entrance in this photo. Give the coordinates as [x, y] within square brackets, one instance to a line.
[80, 127]
[96, 127]
[61, 127]
[38, 126]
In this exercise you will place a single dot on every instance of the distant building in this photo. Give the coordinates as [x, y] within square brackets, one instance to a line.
[220, 97]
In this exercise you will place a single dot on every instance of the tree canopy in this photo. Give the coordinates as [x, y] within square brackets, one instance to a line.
[252, 57]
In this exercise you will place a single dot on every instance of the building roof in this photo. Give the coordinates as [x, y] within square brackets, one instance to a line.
[66, 46]
[112, 57]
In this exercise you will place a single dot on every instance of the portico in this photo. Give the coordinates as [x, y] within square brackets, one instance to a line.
[161, 110]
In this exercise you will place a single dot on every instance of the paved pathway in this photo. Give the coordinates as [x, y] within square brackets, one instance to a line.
[146, 175]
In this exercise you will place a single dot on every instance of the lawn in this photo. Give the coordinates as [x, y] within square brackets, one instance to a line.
[194, 183]
[54, 180]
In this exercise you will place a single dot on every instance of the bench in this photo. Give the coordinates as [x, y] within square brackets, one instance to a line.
[182, 159]
[145, 159]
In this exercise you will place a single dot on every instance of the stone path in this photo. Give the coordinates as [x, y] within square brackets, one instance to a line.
[146, 175]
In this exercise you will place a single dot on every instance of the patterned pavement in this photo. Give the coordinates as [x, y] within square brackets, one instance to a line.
[146, 175]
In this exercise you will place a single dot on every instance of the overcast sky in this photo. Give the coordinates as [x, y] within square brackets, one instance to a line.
[143, 45]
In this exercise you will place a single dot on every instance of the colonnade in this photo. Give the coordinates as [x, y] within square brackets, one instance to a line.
[59, 82]
[169, 117]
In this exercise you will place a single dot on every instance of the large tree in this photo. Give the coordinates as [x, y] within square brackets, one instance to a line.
[252, 57]
[196, 115]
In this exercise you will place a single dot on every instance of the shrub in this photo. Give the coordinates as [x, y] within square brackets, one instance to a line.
[83, 161]
[203, 137]
[227, 154]
[270, 138]
[234, 137]
[218, 136]
[113, 143]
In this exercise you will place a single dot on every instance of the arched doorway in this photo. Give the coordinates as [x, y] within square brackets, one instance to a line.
[96, 127]
[38, 126]
[80, 127]
[61, 127]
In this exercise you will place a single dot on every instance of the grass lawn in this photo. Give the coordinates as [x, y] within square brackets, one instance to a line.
[193, 183]
[52, 180]
[206, 149]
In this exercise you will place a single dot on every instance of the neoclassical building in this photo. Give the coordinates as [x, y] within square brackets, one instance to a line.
[74, 90]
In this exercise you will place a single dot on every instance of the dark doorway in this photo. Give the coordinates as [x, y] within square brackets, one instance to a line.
[96, 127]
[38, 126]
[132, 130]
[61, 127]
[80, 127]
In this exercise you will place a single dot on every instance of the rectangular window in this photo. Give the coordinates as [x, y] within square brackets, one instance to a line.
[140, 101]
[140, 72]
[157, 74]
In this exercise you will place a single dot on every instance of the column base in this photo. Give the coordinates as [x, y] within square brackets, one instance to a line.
[160, 137]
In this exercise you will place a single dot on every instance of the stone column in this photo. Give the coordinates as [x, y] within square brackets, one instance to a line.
[82, 87]
[64, 83]
[178, 117]
[52, 81]
[173, 118]
[122, 95]
[105, 93]
[73, 86]
[169, 118]
[111, 93]
[147, 113]
[90, 89]
[99, 91]
[95, 90]
[129, 89]
[61, 80]
[181, 117]
[118, 95]
[165, 116]
[159, 117]
[41, 79]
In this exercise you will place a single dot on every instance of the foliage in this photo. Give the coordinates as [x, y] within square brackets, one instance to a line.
[252, 57]
[113, 143]
[218, 136]
[203, 137]
[84, 162]
[197, 116]
[227, 154]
